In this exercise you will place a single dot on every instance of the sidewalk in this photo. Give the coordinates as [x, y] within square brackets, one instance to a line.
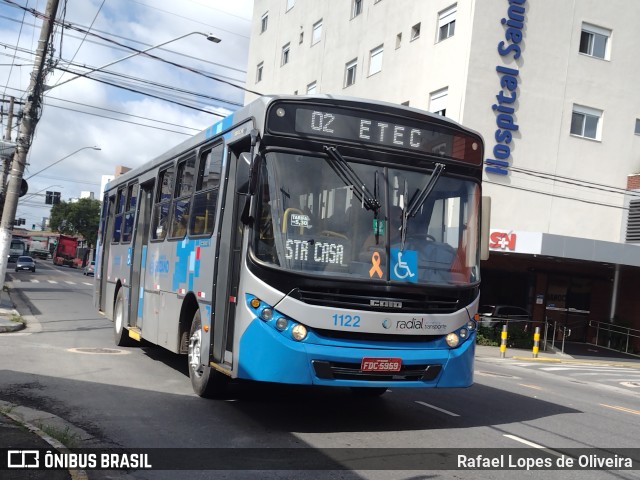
[17, 429]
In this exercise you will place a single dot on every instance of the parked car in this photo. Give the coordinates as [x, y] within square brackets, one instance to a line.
[90, 268]
[495, 316]
[25, 263]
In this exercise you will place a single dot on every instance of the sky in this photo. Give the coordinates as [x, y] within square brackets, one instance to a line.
[130, 125]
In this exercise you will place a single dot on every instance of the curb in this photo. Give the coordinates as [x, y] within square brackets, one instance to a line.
[613, 363]
[76, 474]
[10, 326]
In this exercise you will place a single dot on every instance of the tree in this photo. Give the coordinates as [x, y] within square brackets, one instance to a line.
[77, 218]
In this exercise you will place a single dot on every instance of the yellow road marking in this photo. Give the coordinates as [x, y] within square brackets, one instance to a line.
[622, 409]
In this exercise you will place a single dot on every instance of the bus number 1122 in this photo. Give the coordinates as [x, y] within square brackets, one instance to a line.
[346, 321]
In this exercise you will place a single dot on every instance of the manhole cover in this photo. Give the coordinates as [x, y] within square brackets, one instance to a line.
[98, 351]
[631, 384]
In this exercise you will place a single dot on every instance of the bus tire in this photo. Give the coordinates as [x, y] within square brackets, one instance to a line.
[120, 333]
[368, 392]
[207, 382]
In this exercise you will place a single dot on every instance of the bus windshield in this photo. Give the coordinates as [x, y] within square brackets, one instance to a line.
[310, 218]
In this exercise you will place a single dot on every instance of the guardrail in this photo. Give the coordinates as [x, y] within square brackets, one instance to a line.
[602, 334]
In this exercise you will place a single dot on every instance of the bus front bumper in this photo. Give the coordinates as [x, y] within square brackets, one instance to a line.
[266, 355]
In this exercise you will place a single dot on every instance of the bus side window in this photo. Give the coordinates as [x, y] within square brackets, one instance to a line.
[117, 226]
[132, 194]
[203, 213]
[185, 182]
[164, 192]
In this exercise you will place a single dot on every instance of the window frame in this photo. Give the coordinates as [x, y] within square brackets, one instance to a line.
[181, 195]
[317, 27]
[312, 87]
[129, 214]
[286, 50]
[637, 127]
[259, 69]
[290, 4]
[159, 201]
[351, 66]
[357, 7]
[447, 18]
[202, 189]
[439, 96]
[415, 32]
[264, 22]
[594, 31]
[373, 54]
[586, 113]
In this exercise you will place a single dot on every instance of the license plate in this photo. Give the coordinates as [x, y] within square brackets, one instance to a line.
[381, 364]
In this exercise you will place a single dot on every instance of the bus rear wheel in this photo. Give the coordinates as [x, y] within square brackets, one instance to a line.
[206, 381]
[120, 333]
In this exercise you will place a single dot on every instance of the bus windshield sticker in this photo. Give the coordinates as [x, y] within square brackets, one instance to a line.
[375, 262]
[404, 265]
[378, 227]
[298, 220]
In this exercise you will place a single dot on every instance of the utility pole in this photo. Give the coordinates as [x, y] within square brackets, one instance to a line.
[5, 161]
[27, 129]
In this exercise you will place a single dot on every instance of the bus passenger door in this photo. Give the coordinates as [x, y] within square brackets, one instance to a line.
[102, 270]
[139, 254]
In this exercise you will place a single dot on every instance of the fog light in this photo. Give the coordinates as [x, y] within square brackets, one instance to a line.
[255, 302]
[266, 314]
[464, 333]
[299, 332]
[471, 325]
[281, 323]
[452, 340]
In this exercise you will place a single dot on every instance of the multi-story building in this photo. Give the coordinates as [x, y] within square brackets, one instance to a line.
[550, 87]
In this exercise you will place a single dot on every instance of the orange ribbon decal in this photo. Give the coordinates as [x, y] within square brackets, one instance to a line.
[375, 261]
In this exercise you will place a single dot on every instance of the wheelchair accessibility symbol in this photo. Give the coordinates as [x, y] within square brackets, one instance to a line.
[404, 265]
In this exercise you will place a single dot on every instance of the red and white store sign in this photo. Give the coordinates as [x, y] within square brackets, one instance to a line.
[515, 241]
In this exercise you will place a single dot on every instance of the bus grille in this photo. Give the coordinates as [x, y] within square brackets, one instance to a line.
[410, 302]
[351, 371]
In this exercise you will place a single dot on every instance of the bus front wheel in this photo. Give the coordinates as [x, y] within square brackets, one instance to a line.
[206, 381]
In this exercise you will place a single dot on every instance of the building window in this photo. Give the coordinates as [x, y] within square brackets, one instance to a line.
[290, 4]
[398, 40]
[317, 32]
[415, 31]
[357, 8]
[375, 60]
[259, 72]
[438, 102]
[637, 130]
[633, 222]
[311, 88]
[447, 23]
[350, 72]
[285, 55]
[586, 122]
[301, 37]
[594, 41]
[264, 22]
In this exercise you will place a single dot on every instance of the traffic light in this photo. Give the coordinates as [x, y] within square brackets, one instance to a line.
[56, 198]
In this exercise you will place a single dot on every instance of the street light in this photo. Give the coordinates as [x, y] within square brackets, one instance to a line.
[208, 36]
[58, 161]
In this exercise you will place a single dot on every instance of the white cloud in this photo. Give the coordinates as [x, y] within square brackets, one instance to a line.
[142, 23]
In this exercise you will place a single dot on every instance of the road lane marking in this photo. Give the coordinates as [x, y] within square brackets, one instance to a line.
[535, 387]
[87, 283]
[534, 445]
[52, 281]
[70, 283]
[622, 409]
[438, 409]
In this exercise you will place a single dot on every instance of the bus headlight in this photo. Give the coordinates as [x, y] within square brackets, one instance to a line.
[453, 340]
[299, 332]
[471, 325]
[281, 323]
[464, 333]
[266, 314]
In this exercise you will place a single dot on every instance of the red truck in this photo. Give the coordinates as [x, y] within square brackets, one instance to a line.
[65, 252]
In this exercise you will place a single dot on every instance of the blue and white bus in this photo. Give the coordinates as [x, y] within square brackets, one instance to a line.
[303, 240]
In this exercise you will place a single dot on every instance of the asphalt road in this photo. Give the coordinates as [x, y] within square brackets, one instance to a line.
[66, 363]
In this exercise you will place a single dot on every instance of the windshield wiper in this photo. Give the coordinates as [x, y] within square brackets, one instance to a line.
[419, 199]
[348, 175]
[411, 210]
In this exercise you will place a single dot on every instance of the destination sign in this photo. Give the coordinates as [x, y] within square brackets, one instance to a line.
[374, 128]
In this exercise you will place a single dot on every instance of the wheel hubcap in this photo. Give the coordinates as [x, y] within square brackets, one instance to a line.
[195, 342]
